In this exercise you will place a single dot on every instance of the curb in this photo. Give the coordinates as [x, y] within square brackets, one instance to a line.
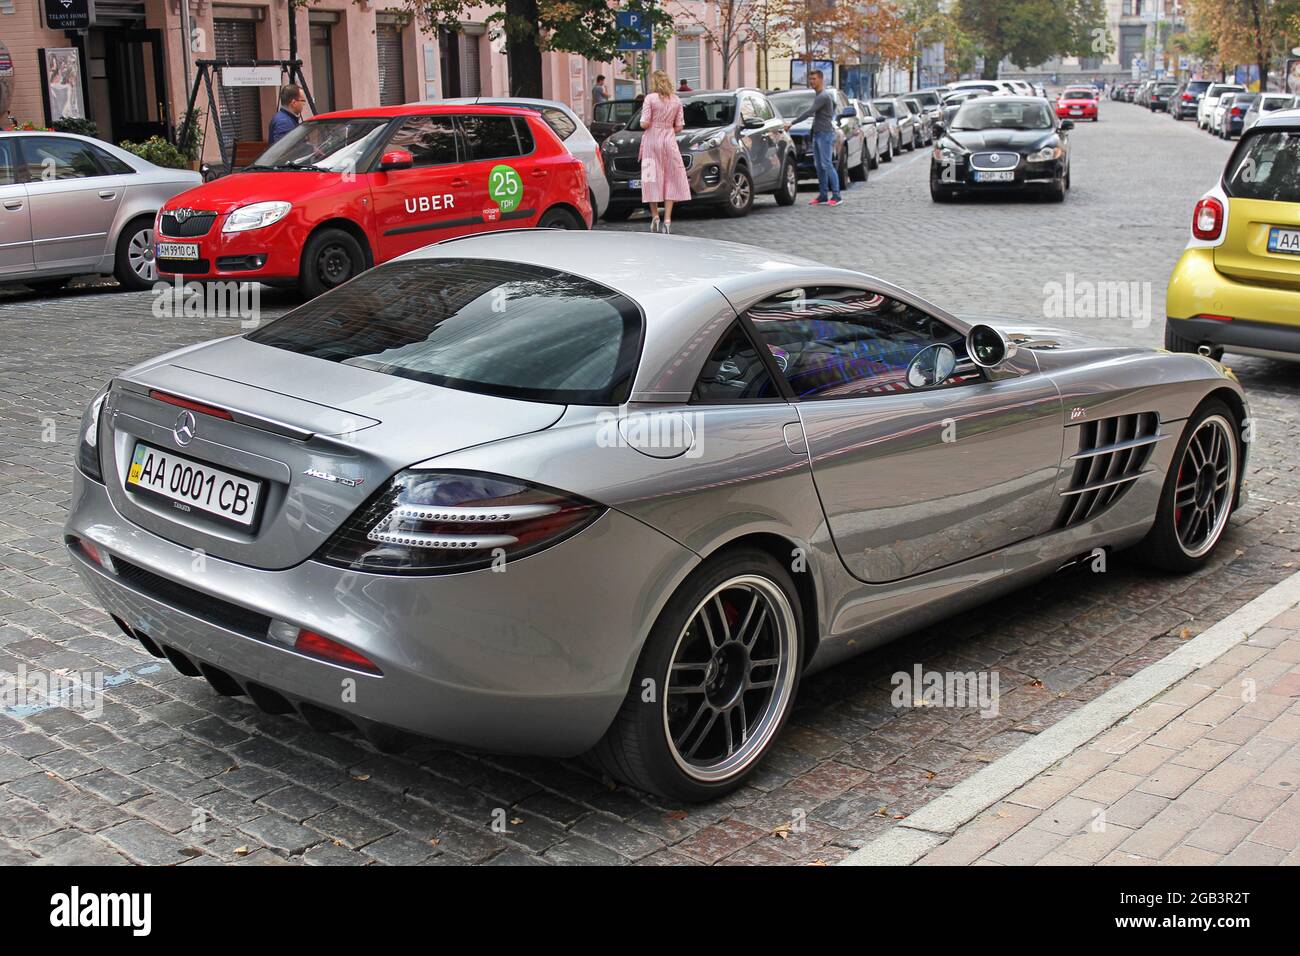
[931, 825]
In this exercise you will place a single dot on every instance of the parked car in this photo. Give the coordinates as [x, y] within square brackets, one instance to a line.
[573, 133]
[984, 86]
[849, 150]
[73, 205]
[906, 122]
[880, 136]
[887, 127]
[1078, 102]
[734, 145]
[1187, 98]
[1234, 288]
[930, 105]
[1002, 144]
[924, 124]
[640, 430]
[1231, 113]
[1210, 99]
[344, 191]
[1265, 104]
[611, 116]
[961, 96]
[1158, 96]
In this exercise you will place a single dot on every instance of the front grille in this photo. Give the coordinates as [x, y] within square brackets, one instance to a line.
[1112, 454]
[223, 614]
[999, 159]
[197, 224]
[182, 266]
[632, 166]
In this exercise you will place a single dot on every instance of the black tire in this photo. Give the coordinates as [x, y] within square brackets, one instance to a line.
[1057, 192]
[842, 170]
[740, 200]
[941, 194]
[134, 248]
[330, 258]
[1176, 343]
[888, 155]
[46, 286]
[560, 218]
[617, 213]
[859, 173]
[636, 748]
[789, 190]
[1162, 547]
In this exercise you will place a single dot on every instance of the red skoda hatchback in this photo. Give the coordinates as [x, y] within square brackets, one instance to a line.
[347, 190]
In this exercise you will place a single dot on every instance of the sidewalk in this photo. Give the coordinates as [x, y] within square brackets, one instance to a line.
[1203, 770]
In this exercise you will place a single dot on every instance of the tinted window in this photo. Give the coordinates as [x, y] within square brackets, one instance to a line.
[8, 162]
[885, 107]
[793, 103]
[844, 343]
[1078, 95]
[1267, 166]
[110, 163]
[51, 158]
[1280, 103]
[492, 137]
[734, 372]
[333, 145]
[502, 328]
[1002, 114]
[705, 112]
[556, 119]
[431, 140]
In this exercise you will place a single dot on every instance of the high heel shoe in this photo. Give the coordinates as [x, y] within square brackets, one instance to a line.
[654, 224]
[667, 227]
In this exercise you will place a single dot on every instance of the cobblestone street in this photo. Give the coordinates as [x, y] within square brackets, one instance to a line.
[172, 773]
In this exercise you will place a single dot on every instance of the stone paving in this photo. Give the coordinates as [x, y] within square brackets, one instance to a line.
[172, 773]
[1208, 773]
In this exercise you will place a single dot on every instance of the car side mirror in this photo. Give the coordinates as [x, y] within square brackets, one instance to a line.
[396, 159]
[987, 347]
[931, 366]
[754, 122]
[1067, 125]
[848, 113]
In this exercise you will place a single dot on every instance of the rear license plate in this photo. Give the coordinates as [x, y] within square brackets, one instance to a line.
[1076, 112]
[1000, 176]
[188, 485]
[1284, 240]
[178, 250]
[634, 184]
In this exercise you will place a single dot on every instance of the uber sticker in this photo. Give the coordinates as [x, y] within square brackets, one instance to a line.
[505, 187]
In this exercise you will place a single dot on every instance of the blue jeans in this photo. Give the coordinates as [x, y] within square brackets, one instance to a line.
[827, 178]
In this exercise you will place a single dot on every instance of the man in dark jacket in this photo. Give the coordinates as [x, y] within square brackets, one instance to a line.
[822, 110]
[289, 115]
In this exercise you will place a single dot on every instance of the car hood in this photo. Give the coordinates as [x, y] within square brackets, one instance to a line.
[1017, 139]
[627, 141]
[240, 189]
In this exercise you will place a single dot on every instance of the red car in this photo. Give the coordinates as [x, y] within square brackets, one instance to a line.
[346, 190]
[1077, 103]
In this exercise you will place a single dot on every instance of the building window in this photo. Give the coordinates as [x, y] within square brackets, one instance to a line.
[321, 27]
[459, 62]
[392, 66]
[241, 106]
[688, 61]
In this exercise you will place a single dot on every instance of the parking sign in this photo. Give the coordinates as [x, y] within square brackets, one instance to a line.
[630, 20]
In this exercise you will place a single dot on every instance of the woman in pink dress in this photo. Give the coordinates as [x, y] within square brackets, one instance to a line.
[663, 176]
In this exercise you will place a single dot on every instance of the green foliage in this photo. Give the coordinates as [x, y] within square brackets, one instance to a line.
[1030, 32]
[158, 151]
[71, 124]
[584, 27]
[192, 146]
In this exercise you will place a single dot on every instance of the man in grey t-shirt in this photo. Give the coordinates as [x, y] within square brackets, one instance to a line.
[822, 112]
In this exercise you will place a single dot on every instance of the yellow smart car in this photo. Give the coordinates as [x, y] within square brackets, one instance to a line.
[1237, 286]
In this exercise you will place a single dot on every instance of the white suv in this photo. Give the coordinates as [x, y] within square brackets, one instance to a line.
[1205, 109]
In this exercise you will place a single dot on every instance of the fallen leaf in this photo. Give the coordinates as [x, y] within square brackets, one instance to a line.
[363, 777]
[242, 851]
[1185, 633]
[675, 815]
[434, 841]
[781, 832]
[515, 821]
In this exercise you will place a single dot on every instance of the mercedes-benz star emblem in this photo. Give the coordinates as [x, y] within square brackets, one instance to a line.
[993, 158]
[180, 215]
[183, 430]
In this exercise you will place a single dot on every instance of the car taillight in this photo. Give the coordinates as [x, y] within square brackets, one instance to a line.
[427, 522]
[1236, 111]
[190, 404]
[1187, 97]
[1207, 218]
[88, 446]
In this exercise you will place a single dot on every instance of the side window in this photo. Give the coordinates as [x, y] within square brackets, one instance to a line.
[847, 343]
[110, 163]
[734, 372]
[747, 110]
[50, 158]
[490, 137]
[525, 134]
[765, 108]
[430, 139]
[8, 163]
[559, 121]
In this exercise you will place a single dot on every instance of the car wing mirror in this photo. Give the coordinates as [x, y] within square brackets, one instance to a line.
[754, 122]
[931, 366]
[1067, 125]
[848, 113]
[396, 159]
[987, 347]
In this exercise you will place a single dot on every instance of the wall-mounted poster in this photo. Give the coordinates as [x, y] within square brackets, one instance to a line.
[1291, 81]
[64, 93]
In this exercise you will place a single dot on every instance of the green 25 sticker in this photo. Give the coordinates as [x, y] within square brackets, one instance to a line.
[505, 187]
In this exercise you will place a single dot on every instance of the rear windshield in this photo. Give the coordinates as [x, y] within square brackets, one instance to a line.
[1266, 166]
[500, 328]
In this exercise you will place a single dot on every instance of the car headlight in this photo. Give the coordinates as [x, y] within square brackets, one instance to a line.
[712, 142]
[433, 522]
[609, 147]
[255, 216]
[88, 446]
[946, 154]
[1045, 155]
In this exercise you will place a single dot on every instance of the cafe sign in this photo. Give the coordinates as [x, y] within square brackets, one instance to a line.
[67, 14]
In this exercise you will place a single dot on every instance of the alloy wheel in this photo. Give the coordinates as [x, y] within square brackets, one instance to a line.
[139, 255]
[1207, 476]
[739, 190]
[334, 265]
[731, 678]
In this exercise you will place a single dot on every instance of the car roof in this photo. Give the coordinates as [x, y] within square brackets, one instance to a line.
[523, 101]
[422, 109]
[1282, 119]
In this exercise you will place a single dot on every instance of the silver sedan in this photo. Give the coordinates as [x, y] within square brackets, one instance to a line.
[72, 205]
[523, 491]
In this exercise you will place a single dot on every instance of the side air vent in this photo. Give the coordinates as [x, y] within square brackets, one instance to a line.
[1112, 454]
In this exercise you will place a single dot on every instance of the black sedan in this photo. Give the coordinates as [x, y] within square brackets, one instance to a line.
[1002, 144]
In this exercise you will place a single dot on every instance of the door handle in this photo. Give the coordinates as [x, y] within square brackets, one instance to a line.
[460, 182]
[538, 173]
[107, 194]
[13, 204]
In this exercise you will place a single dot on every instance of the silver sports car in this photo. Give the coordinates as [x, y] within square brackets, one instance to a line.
[565, 493]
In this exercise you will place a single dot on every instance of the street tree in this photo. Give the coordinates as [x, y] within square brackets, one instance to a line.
[1029, 32]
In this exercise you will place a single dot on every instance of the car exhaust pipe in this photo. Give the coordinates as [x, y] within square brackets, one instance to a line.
[1204, 349]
